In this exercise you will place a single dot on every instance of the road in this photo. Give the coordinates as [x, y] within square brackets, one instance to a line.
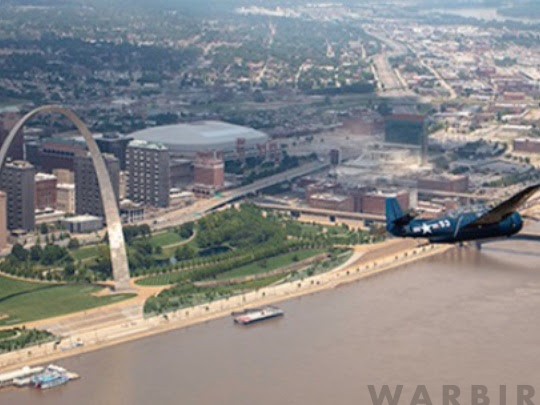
[444, 83]
[323, 212]
[195, 211]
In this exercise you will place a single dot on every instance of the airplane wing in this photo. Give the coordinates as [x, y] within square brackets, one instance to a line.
[506, 208]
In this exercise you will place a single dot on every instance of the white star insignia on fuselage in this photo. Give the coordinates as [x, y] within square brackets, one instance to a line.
[426, 228]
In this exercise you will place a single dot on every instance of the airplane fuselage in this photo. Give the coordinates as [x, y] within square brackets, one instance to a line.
[451, 229]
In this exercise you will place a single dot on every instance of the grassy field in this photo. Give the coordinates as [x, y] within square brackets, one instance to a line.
[23, 302]
[9, 287]
[165, 239]
[252, 268]
[274, 263]
[86, 252]
[184, 296]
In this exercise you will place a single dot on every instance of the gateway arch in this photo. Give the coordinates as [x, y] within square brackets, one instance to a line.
[119, 260]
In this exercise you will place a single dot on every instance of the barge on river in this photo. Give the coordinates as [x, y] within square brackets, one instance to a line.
[254, 315]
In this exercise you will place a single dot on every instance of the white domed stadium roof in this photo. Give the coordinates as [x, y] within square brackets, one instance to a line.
[201, 136]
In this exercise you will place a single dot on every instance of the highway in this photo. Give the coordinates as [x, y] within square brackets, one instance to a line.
[202, 207]
[323, 212]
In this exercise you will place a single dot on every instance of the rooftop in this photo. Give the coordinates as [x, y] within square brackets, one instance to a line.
[82, 218]
[141, 144]
[44, 176]
[207, 134]
[20, 164]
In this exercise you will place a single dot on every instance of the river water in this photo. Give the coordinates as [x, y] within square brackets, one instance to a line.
[463, 318]
[480, 13]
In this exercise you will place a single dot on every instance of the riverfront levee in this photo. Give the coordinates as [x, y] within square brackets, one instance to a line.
[443, 320]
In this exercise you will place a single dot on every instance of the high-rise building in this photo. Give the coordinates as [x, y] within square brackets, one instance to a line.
[148, 173]
[17, 181]
[3, 220]
[7, 122]
[45, 191]
[65, 197]
[87, 194]
[209, 172]
[114, 144]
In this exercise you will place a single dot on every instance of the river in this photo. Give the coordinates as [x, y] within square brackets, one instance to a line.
[480, 13]
[465, 317]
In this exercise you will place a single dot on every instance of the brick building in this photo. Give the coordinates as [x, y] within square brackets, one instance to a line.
[87, 193]
[209, 172]
[3, 221]
[149, 175]
[17, 181]
[448, 183]
[527, 145]
[45, 191]
[333, 202]
[375, 202]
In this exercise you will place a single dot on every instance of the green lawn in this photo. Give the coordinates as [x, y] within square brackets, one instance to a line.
[165, 239]
[160, 279]
[249, 269]
[162, 239]
[24, 302]
[7, 334]
[9, 287]
[273, 263]
[86, 252]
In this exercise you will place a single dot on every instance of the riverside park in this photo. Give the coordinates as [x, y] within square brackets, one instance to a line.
[222, 255]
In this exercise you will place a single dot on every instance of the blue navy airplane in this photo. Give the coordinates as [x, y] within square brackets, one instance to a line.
[501, 221]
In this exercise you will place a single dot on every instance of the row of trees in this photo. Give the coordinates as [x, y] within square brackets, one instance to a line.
[19, 338]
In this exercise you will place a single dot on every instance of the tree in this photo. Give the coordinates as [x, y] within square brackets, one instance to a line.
[43, 229]
[73, 244]
[185, 252]
[35, 253]
[69, 270]
[19, 252]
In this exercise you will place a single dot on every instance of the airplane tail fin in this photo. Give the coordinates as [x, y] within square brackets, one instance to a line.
[394, 214]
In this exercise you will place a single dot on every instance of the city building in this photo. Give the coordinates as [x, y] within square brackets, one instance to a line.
[186, 140]
[83, 224]
[7, 121]
[180, 198]
[447, 182]
[55, 153]
[527, 145]
[209, 171]
[335, 156]
[375, 202]
[87, 193]
[131, 212]
[181, 172]
[114, 144]
[406, 129]
[333, 202]
[45, 191]
[17, 181]
[148, 171]
[64, 176]
[65, 197]
[3, 221]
